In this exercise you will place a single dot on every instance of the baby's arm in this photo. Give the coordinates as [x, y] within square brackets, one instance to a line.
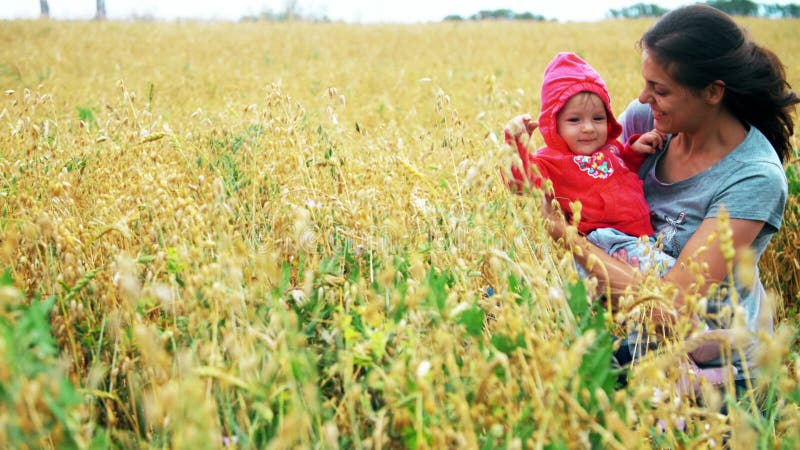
[517, 134]
[518, 131]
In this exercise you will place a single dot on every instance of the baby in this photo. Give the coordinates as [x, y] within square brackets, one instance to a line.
[585, 162]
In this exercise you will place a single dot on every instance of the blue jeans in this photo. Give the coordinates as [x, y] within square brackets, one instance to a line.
[648, 255]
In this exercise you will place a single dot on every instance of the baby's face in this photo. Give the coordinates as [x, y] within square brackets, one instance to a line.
[583, 123]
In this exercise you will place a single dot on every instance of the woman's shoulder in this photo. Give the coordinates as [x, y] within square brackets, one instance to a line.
[637, 109]
[756, 148]
[637, 118]
[753, 167]
[755, 156]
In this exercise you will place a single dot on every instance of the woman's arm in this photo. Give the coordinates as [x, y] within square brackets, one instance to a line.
[702, 251]
[707, 249]
[613, 274]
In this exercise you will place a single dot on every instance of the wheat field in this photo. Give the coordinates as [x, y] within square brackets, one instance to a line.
[282, 235]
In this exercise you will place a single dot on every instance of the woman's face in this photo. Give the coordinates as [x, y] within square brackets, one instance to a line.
[675, 107]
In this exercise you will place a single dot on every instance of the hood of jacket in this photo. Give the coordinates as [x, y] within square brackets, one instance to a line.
[566, 75]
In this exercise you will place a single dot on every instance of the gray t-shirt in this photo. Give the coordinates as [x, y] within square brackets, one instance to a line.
[749, 182]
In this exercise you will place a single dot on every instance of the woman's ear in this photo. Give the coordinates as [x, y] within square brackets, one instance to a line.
[714, 92]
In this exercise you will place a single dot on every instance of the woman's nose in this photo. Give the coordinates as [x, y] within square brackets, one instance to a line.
[644, 95]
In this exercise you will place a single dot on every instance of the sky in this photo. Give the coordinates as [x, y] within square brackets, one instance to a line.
[355, 11]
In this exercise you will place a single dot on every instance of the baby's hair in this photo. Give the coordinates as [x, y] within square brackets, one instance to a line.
[586, 97]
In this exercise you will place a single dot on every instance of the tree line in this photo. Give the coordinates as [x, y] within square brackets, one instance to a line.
[732, 7]
[497, 14]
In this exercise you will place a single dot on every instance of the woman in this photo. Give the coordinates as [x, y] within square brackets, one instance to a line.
[726, 106]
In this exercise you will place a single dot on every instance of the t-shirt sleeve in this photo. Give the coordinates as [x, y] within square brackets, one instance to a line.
[636, 119]
[758, 193]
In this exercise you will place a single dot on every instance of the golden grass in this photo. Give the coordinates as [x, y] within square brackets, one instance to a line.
[280, 235]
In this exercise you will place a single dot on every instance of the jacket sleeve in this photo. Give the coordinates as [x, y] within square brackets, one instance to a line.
[530, 175]
[631, 158]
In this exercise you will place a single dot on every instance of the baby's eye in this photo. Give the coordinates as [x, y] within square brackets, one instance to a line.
[573, 120]
[600, 118]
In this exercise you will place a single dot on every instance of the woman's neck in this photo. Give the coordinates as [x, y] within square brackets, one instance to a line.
[692, 152]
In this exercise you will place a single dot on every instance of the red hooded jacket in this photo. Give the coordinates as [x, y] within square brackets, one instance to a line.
[605, 182]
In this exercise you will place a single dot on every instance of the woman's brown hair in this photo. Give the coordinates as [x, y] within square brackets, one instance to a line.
[699, 45]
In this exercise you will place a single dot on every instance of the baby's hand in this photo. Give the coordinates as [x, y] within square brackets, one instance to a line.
[649, 142]
[517, 127]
